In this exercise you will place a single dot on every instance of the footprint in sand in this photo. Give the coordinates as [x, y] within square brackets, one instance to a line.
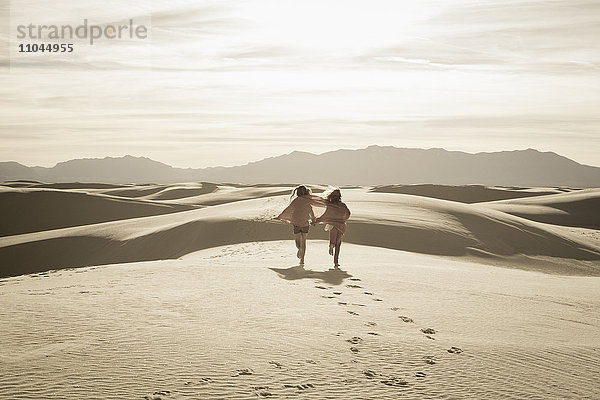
[428, 331]
[342, 303]
[311, 361]
[406, 319]
[429, 360]
[395, 308]
[370, 323]
[420, 374]
[355, 279]
[354, 340]
[262, 391]
[368, 293]
[243, 371]
[276, 364]
[394, 381]
[354, 349]
[430, 337]
[369, 373]
[359, 305]
[202, 381]
[159, 395]
[354, 286]
[373, 333]
[377, 299]
[455, 350]
[327, 296]
[320, 287]
[337, 293]
[352, 312]
[302, 386]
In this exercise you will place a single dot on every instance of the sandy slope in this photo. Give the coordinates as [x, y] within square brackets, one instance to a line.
[24, 210]
[397, 221]
[467, 193]
[229, 194]
[241, 321]
[581, 208]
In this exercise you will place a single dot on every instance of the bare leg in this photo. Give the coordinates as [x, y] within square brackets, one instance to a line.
[337, 243]
[298, 241]
[332, 238]
[303, 247]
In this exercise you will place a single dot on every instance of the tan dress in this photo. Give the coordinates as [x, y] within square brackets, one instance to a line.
[304, 210]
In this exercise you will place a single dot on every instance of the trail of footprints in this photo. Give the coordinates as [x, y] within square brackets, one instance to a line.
[354, 347]
[356, 341]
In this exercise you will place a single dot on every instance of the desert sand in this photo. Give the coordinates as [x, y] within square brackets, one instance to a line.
[192, 291]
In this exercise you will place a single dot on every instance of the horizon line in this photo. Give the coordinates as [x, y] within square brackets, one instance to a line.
[298, 151]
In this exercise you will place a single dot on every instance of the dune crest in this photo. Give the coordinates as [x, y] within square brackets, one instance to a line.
[218, 215]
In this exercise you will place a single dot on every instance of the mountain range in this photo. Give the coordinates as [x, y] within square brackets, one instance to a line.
[374, 165]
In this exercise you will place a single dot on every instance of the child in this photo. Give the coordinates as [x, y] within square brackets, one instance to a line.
[300, 214]
[334, 218]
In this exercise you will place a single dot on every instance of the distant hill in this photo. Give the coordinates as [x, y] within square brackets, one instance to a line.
[374, 165]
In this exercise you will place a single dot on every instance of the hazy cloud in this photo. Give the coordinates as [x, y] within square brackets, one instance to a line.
[226, 83]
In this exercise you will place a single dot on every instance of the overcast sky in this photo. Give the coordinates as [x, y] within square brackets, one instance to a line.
[228, 82]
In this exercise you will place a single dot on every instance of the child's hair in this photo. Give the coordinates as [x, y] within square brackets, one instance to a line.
[335, 196]
[301, 190]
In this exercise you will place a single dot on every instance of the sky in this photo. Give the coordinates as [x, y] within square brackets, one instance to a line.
[229, 82]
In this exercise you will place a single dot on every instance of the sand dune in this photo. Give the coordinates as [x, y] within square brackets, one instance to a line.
[20, 183]
[180, 191]
[76, 185]
[233, 323]
[229, 194]
[580, 209]
[30, 210]
[135, 191]
[205, 194]
[434, 226]
[396, 221]
[220, 308]
[466, 193]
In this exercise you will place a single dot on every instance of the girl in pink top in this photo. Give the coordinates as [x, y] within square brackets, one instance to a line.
[334, 218]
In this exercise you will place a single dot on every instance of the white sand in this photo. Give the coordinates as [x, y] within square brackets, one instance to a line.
[397, 221]
[220, 309]
[187, 326]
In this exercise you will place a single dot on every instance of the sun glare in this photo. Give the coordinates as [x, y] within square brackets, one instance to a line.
[335, 25]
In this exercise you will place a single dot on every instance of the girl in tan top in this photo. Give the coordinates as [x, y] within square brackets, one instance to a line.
[300, 214]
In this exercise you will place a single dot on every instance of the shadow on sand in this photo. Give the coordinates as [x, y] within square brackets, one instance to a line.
[333, 276]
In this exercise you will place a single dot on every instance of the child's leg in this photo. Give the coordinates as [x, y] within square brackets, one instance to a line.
[337, 244]
[332, 239]
[303, 247]
[298, 240]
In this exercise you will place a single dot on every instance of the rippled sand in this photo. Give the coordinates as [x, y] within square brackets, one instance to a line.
[241, 321]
